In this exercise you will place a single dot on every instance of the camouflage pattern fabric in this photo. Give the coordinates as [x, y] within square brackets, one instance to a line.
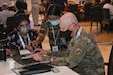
[85, 57]
[82, 55]
[46, 27]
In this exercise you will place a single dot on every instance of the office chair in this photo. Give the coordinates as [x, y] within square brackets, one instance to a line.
[106, 19]
[96, 15]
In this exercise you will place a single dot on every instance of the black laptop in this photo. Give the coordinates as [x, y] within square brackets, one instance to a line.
[21, 59]
[29, 65]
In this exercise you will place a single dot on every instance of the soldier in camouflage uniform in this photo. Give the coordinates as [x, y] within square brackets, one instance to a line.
[82, 55]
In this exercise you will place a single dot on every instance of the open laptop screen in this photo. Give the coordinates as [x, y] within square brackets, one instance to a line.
[19, 57]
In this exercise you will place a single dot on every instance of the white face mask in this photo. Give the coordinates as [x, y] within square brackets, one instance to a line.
[54, 23]
[24, 30]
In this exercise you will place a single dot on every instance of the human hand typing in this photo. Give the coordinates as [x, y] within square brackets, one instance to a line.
[8, 51]
[37, 54]
[34, 44]
[29, 47]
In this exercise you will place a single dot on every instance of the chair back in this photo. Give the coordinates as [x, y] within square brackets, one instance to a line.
[96, 13]
[106, 14]
[87, 9]
[73, 8]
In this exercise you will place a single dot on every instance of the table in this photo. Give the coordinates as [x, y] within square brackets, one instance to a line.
[64, 70]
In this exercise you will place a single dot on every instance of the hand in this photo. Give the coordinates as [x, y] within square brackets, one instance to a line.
[34, 44]
[29, 47]
[8, 51]
[37, 54]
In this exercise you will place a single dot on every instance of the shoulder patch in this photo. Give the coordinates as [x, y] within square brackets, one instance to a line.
[78, 51]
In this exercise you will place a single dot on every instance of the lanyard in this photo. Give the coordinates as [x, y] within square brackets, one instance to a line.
[20, 37]
[78, 33]
[55, 38]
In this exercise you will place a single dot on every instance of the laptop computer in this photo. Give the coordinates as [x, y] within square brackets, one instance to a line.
[20, 56]
[30, 66]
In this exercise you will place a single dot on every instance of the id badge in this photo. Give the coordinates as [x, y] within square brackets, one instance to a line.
[62, 41]
[54, 48]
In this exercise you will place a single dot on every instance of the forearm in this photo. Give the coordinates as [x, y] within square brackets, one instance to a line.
[57, 58]
[41, 35]
[40, 38]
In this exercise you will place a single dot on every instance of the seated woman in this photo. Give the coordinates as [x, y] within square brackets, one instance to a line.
[23, 36]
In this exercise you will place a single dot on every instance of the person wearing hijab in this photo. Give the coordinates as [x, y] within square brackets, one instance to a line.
[83, 54]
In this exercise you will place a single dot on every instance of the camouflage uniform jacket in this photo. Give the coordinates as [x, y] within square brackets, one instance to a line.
[82, 55]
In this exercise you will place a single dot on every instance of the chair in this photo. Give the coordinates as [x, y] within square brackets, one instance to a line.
[106, 18]
[110, 63]
[10, 22]
[6, 30]
[87, 10]
[96, 15]
[74, 9]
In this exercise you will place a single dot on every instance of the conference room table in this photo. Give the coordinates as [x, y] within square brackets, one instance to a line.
[5, 70]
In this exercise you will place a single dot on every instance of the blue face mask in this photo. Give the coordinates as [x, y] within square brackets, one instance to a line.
[54, 23]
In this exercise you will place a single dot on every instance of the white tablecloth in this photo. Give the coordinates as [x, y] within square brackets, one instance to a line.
[64, 70]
